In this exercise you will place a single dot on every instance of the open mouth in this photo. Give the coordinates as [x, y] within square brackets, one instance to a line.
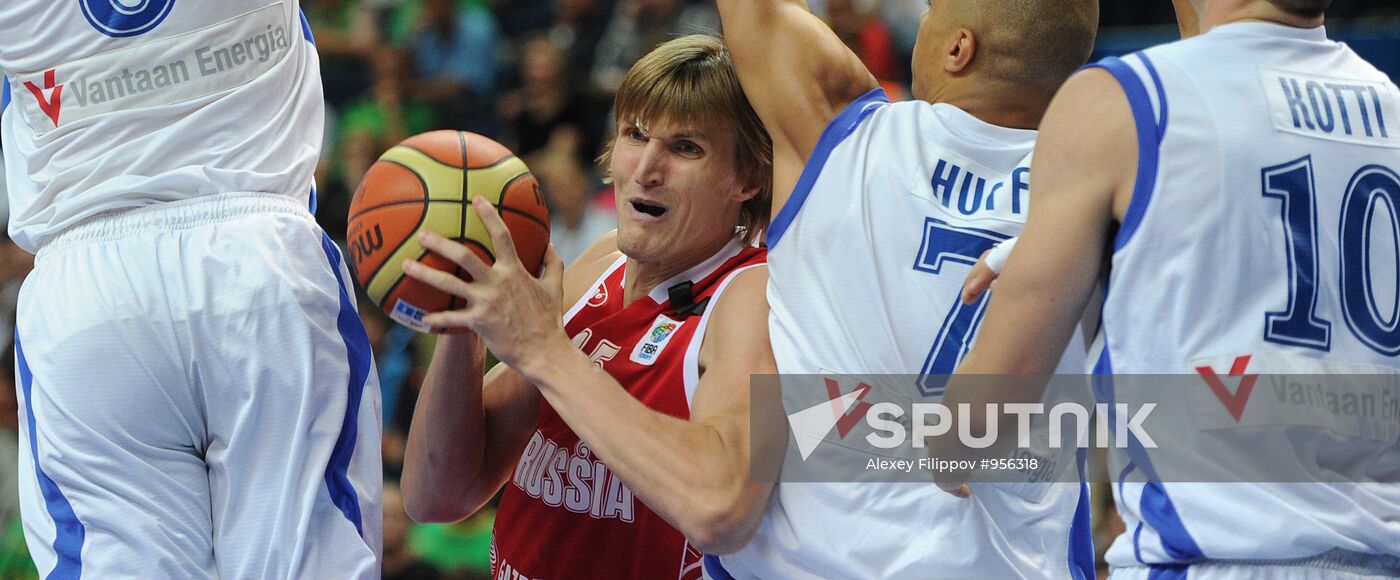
[649, 209]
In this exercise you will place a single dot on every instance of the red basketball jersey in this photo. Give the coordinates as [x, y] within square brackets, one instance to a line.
[564, 514]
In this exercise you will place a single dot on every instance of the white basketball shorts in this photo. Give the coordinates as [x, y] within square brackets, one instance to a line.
[197, 398]
[1333, 565]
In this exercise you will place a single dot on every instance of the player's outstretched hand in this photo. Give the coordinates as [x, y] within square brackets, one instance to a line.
[515, 312]
[978, 280]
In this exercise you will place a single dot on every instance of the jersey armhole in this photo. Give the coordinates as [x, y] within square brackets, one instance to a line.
[1151, 126]
[841, 127]
[690, 368]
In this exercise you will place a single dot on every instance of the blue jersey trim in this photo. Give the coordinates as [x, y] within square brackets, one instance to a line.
[1160, 572]
[1081, 528]
[69, 533]
[715, 569]
[841, 127]
[1159, 512]
[352, 331]
[313, 203]
[1155, 505]
[1137, 542]
[1164, 111]
[5, 95]
[1150, 128]
[306, 28]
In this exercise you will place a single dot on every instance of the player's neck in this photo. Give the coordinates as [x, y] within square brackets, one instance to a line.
[643, 276]
[1000, 106]
[1222, 13]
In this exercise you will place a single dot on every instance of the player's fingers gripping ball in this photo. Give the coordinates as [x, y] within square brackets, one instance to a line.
[427, 183]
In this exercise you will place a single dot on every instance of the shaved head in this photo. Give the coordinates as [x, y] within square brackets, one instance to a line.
[1033, 43]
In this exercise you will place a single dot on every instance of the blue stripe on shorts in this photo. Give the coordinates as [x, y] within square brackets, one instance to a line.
[68, 531]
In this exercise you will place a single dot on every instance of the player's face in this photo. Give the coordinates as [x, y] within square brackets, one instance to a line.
[678, 190]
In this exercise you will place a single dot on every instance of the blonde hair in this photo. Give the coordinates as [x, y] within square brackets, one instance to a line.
[691, 80]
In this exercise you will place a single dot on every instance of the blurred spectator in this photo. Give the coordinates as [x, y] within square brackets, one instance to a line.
[640, 25]
[519, 18]
[391, 111]
[454, 58]
[400, 563]
[858, 25]
[547, 109]
[347, 33]
[576, 218]
[578, 26]
[902, 16]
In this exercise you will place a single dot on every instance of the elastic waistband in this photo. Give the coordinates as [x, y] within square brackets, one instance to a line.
[175, 215]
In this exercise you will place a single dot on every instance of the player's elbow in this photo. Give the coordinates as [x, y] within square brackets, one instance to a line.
[720, 535]
[431, 504]
[426, 510]
[724, 522]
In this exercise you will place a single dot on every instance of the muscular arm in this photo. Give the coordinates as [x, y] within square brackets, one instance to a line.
[797, 75]
[467, 438]
[693, 473]
[1081, 181]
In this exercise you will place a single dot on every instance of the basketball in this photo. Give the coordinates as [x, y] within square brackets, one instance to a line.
[427, 182]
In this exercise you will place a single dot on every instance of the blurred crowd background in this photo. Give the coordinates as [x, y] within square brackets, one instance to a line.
[539, 76]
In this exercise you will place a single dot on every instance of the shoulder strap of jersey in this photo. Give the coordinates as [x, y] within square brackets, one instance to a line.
[691, 365]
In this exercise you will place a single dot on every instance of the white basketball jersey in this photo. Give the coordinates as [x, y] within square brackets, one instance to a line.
[111, 104]
[866, 262]
[1261, 239]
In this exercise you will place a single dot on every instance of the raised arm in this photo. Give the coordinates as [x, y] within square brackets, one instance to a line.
[797, 74]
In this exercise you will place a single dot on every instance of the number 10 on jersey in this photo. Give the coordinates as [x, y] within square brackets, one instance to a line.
[1370, 188]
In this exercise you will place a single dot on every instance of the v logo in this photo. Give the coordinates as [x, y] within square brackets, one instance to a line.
[1234, 403]
[847, 421]
[52, 103]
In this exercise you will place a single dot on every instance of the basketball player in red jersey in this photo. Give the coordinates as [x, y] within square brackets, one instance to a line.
[634, 410]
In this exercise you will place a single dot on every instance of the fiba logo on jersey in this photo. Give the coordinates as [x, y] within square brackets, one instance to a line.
[656, 338]
[662, 330]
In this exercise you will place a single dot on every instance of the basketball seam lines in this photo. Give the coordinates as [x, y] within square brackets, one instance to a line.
[421, 181]
[502, 207]
[466, 197]
[464, 161]
[423, 215]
